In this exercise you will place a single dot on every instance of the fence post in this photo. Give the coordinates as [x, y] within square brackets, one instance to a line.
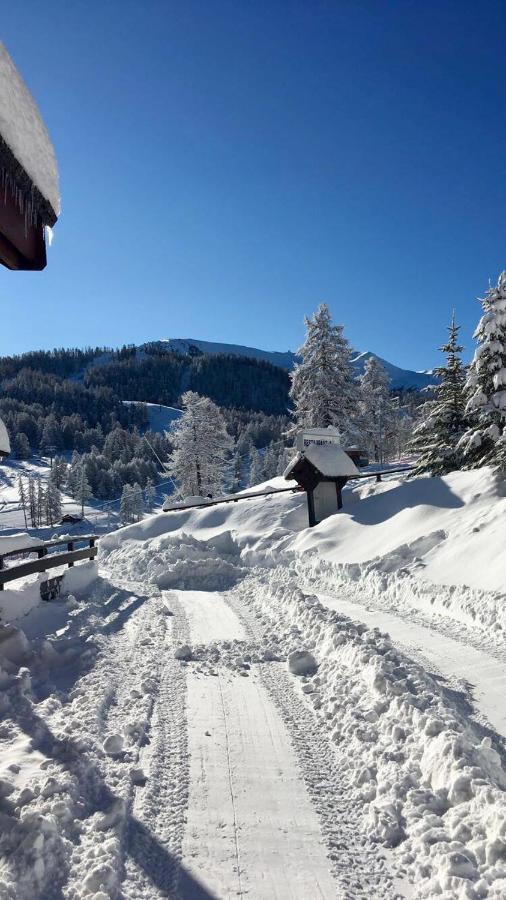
[1, 567]
[70, 547]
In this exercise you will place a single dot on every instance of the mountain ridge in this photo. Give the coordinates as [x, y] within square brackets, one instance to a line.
[400, 379]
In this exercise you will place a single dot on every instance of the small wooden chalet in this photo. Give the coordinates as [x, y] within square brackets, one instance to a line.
[322, 471]
[5, 446]
[29, 201]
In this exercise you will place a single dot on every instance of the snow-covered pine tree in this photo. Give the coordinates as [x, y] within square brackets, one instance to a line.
[22, 499]
[22, 446]
[74, 474]
[126, 508]
[32, 501]
[486, 381]
[237, 466]
[41, 502]
[256, 469]
[53, 500]
[202, 447]
[283, 456]
[443, 419]
[83, 489]
[137, 502]
[270, 462]
[149, 494]
[59, 471]
[378, 414]
[323, 388]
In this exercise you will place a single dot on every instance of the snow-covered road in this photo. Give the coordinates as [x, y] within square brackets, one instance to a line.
[158, 740]
[198, 779]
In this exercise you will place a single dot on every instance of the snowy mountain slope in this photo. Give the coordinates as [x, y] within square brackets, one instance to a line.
[160, 417]
[400, 378]
[188, 346]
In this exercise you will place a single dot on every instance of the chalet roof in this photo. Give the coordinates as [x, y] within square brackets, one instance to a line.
[329, 460]
[5, 446]
[27, 160]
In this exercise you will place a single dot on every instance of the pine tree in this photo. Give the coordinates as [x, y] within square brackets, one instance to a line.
[256, 472]
[283, 455]
[126, 508]
[59, 471]
[74, 474]
[149, 494]
[443, 419]
[22, 446]
[41, 502]
[486, 381]
[32, 502]
[378, 414]
[53, 500]
[323, 388]
[200, 459]
[270, 462]
[83, 489]
[137, 502]
[22, 498]
[237, 465]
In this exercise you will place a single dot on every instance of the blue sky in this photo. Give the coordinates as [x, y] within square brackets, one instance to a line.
[226, 166]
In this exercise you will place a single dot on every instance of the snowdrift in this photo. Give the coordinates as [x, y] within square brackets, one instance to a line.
[448, 531]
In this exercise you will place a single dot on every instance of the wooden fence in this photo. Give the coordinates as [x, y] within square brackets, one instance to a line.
[47, 559]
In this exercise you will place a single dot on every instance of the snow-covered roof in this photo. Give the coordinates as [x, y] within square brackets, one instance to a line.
[5, 444]
[330, 459]
[27, 157]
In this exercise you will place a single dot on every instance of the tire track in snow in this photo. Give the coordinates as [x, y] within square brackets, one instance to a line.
[231, 787]
[359, 866]
[154, 853]
[252, 828]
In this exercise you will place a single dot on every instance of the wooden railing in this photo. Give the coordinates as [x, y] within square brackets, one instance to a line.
[377, 475]
[45, 559]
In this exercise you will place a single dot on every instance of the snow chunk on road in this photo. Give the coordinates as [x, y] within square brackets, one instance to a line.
[302, 662]
[114, 744]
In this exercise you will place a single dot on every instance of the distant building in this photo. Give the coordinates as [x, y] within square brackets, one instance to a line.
[29, 201]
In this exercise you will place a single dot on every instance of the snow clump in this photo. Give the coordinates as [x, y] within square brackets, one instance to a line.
[302, 662]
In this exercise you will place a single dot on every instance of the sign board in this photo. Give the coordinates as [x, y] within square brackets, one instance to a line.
[318, 437]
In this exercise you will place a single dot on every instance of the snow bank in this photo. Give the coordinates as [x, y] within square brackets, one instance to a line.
[446, 530]
[450, 530]
[179, 561]
[79, 579]
[19, 601]
[15, 603]
[20, 541]
[429, 782]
